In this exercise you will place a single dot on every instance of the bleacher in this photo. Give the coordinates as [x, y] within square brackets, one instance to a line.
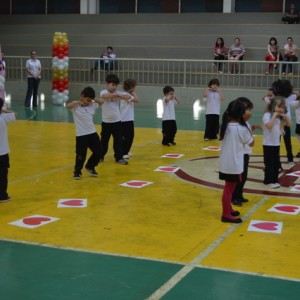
[145, 35]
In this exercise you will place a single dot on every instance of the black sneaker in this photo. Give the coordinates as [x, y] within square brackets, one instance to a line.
[166, 144]
[76, 175]
[92, 171]
[237, 202]
[5, 199]
[244, 200]
[227, 220]
[122, 161]
[173, 143]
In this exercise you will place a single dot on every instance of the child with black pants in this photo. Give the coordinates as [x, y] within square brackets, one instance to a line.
[86, 134]
[6, 116]
[169, 126]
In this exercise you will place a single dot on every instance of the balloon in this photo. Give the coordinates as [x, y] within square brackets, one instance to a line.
[1, 86]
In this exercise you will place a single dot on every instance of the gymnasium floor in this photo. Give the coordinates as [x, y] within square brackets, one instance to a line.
[157, 236]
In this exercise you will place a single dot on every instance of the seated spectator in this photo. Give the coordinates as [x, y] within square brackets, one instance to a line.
[290, 54]
[236, 53]
[273, 54]
[107, 61]
[220, 52]
[291, 15]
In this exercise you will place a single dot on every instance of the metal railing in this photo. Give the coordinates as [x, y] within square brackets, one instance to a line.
[152, 72]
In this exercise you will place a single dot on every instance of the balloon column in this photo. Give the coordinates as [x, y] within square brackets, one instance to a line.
[60, 65]
[2, 78]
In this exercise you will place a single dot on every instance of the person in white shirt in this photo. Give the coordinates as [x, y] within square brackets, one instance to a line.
[33, 69]
[86, 134]
[107, 60]
[169, 126]
[127, 116]
[290, 55]
[6, 116]
[235, 135]
[296, 104]
[213, 97]
[111, 117]
[274, 120]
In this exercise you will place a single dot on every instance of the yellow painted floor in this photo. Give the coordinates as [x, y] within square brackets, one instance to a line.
[172, 219]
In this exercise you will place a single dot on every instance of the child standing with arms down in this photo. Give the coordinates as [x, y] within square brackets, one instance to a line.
[86, 134]
[127, 116]
[213, 97]
[6, 116]
[234, 135]
[274, 119]
[111, 117]
[169, 126]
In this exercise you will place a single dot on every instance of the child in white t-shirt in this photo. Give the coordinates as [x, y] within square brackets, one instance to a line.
[127, 116]
[169, 126]
[86, 133]
[235, 135]
[6, 116]
[213, 97]
[274, 119]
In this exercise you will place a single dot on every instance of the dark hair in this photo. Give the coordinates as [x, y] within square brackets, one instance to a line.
[109, 47]
[213, 81]
[88, 92]
[222, 42]
[282, 88]
[237, 38]
[112, 78]
[290, 38]
[234, 112]
[272, 39]
[1, 103]
[167, 89]
[128, 84]
[248, 104]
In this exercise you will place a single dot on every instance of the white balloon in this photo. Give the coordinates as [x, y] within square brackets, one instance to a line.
[60, 67]
[66, 98]
[55, 92]
[66, 65]
[66, 59]
[54, 64]
[2, 79]
[66, 92]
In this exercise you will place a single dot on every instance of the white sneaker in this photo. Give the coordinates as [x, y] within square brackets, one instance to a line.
[126, 156]
[274, 185]
[129, 154]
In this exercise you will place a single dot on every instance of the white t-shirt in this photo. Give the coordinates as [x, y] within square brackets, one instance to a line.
[127, 109]
[248, 149]
[110, 109]
[233, 148]
[34, 65]
[83, 118]
[288, 101]
[296, 104]
[4, 119]
[271, 136]
[213, 103]
[168, 109]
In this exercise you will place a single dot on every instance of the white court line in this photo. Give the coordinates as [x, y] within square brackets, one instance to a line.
[164, 289]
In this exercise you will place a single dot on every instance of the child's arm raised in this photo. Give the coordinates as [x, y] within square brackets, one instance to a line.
[99, 101]
[72, 104]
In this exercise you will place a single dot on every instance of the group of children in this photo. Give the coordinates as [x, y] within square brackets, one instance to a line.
[237, 140]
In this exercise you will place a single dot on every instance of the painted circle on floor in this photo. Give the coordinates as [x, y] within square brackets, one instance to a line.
[192, 171]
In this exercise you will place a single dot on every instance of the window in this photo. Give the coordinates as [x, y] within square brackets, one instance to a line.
[119, 6]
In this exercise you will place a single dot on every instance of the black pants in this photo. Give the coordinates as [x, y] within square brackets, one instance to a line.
[271, 161]
[32, 90]
[83, 143]
[4, 165]
[169, 130]
[113, 129]
[288, 143]
[238, 191]
[127, 132]
[290, 20]
[212, 127]
[289, 66]
[219, 64]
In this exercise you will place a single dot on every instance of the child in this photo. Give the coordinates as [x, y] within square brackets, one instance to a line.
[296, 104]
[237, 196]
[127, 117]
[284, 89]
[213, 97]
[169, 126]
[269, 97]
[86, 134]
[274, 120]
[234, 135]
[111, 117]
[6, 116]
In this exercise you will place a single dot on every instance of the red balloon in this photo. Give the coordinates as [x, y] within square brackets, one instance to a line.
[61, 89]
[60, 55]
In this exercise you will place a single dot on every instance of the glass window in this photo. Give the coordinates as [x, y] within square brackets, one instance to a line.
[5, 7]
[258, 5]
[119, 6]
[190, 6]
[63, 6]
[28, 7]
